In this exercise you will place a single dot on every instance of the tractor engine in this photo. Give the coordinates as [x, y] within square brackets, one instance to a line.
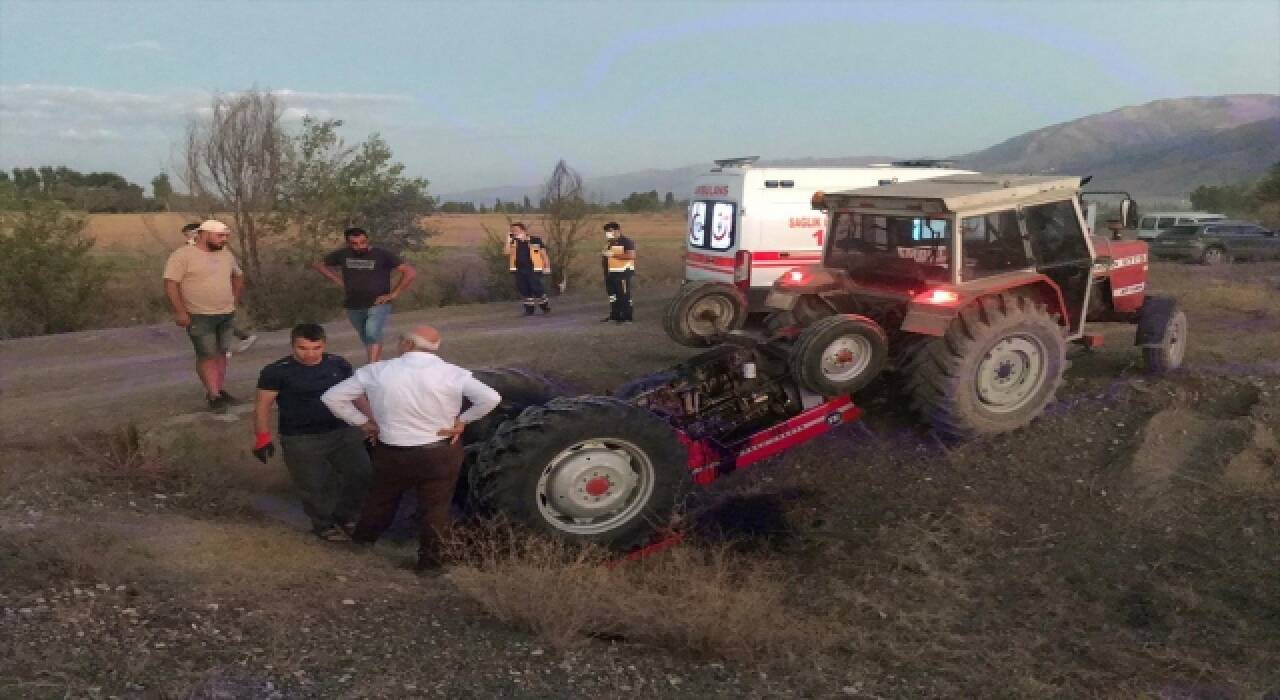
[724, 393]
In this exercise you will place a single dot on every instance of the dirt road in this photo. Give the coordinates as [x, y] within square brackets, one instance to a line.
[75, 382]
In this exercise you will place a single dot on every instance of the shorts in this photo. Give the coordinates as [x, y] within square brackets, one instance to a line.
[370, 322]
[211, 334]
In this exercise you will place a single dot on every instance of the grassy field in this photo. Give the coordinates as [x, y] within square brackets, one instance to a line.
[1124, 545]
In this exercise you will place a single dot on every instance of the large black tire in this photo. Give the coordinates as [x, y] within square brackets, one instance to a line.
[520, 389]
[996, 369]
[701, 311]
[589, 469]
[839, 355]
[1173, 346]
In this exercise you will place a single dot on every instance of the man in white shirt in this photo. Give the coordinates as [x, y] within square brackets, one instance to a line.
[417, 422]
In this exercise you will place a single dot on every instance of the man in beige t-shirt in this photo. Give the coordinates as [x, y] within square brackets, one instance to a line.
[203, 282]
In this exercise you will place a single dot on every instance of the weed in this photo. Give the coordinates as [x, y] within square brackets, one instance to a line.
[689, 600]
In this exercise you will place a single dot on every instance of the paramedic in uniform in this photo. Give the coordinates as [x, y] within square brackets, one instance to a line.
[619, 262]
[527, 259]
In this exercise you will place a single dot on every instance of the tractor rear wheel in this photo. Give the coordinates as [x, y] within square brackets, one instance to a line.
[588, 469]
[996, 369]
[1167, 356]
[839, 355]
[520, 389]
[701, 311]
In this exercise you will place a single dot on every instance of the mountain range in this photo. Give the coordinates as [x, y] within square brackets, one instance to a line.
[1162, 149]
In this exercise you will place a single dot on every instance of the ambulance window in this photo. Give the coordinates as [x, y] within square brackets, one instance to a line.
[698, 224]
[722, 225]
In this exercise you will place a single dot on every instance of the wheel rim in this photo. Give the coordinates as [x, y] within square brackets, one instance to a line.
[595, 485]
[846, 358]
[1176, 339]
[1011, 373]
[710, 315]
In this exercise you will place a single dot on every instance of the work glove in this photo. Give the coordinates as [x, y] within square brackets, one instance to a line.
[263, 448]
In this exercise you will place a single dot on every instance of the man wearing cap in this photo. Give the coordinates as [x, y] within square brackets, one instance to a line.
[416, 401]
[619, 262]
[203, 283]
[246, 339]
[366, 282]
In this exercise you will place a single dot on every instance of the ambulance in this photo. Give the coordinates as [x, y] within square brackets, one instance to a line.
[748, 225]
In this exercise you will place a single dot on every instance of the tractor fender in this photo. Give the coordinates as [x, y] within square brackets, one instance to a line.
[925, 318]
[1153, 318]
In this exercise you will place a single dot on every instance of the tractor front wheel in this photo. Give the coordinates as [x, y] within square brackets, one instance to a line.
[839, 355]
[996, 369]
[588, 469]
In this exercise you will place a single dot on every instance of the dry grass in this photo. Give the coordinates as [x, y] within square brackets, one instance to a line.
[687, 600]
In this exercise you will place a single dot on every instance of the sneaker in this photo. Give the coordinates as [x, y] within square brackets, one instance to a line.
[217, 404]
[333, 533]
[245, 343]
[231, 400]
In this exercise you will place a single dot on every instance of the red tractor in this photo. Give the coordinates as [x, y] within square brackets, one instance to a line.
[612, 470]
[970, 287]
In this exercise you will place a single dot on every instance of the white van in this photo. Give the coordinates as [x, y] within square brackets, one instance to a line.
[1152, 224]
[748, 225]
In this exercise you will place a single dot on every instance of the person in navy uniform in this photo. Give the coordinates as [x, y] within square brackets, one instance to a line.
[528, 261]
[619, 262]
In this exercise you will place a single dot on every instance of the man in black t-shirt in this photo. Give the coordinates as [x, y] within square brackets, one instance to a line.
[326, 457]
[366, 281]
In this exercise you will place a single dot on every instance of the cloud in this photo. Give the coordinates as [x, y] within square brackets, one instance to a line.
[141, 46]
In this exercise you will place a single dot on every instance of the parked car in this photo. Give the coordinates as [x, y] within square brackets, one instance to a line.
[1155, 223]
[1217, 242]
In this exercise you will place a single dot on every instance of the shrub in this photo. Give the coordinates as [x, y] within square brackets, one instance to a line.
[49, 280]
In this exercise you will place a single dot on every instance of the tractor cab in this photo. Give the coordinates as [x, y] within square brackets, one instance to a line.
[939, 244]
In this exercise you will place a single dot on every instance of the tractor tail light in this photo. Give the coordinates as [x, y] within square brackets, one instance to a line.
[742, 269]
[938, 297]
[806, 277]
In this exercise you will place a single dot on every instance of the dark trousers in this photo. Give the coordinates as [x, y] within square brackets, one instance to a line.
[430, 471]
[619, 286]
[331, 472]
[529, 284]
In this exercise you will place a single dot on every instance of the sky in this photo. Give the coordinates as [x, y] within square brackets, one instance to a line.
[479, 94]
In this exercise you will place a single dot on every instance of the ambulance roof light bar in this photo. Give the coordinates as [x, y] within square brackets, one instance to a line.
[744, 161]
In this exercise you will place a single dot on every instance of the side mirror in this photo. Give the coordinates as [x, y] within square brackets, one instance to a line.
[1128, 213]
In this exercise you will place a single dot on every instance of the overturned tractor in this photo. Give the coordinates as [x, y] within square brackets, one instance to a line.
[612, 470]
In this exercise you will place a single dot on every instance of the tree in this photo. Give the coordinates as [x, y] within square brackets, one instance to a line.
[162, 189]
[49, 280]
[528, 206]
[567, 219]
[669, 202]
[235, 158]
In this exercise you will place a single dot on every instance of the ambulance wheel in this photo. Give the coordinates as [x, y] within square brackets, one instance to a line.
[589, 470]
[996, 369]
[1167, 356]
[701, 311]
[839, 355]
[520, 389]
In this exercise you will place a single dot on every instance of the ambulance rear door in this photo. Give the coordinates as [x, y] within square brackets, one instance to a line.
[711, 241]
